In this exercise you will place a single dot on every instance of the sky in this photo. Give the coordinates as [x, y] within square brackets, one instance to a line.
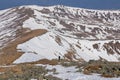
[90, 4]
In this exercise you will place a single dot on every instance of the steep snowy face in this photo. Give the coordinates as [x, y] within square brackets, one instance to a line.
[50, 32]
[51, 46]
[11, 22]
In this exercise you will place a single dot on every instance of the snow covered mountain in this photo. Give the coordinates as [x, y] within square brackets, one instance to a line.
[32, 33]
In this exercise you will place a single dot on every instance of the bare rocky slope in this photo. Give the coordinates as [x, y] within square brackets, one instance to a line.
[32, 33]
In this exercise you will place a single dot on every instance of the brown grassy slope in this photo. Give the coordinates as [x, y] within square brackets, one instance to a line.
[10, 53]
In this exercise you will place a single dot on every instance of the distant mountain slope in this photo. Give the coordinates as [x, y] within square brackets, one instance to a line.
[71, 33]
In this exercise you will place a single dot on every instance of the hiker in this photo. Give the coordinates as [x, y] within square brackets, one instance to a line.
[59, 58]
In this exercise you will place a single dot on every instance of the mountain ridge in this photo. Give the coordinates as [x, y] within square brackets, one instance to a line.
[72, 33]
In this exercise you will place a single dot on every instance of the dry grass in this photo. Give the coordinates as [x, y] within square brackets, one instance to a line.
[18, 69]
[2, 69]
[107, 75]
[86, 72]
[106, 69]
[93, 67]
[45, 61]
[10, 53]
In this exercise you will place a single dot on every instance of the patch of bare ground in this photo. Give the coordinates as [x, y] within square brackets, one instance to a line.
[112, 47]
[63, 62]
[10, 53]
[44, 61]
[70, 55]
[106, 69]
